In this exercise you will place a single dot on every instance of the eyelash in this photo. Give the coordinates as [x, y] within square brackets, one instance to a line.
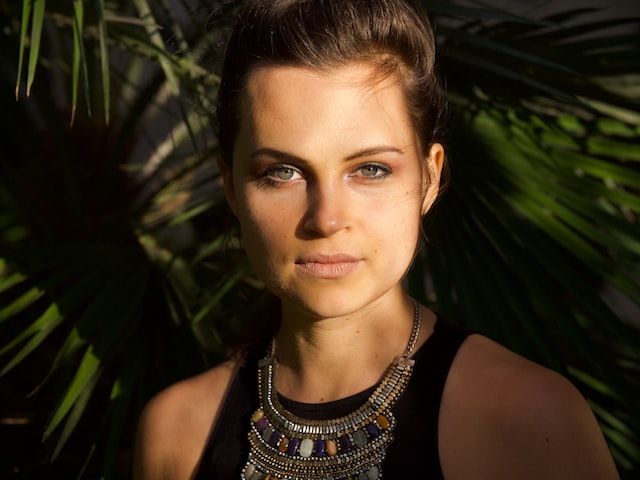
[386, 171]
[266, 176]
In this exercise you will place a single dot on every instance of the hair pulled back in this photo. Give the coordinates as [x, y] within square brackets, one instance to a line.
[394, 35]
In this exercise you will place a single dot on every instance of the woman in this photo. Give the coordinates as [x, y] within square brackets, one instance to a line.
[330, 138]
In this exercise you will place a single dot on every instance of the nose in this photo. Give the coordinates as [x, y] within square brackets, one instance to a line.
[327, 210]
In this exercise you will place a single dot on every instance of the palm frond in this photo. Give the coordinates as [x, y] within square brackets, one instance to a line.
[116, 270]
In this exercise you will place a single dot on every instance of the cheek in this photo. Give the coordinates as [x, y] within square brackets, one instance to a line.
[263, 228]
[258, 246]
[397, 228]
[402, 229]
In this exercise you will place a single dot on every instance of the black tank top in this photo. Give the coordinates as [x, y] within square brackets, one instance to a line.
[413, 453]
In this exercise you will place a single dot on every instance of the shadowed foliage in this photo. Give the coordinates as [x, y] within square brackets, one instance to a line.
[117, 273]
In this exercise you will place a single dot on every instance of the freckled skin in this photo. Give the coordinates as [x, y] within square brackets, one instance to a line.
[329, 206]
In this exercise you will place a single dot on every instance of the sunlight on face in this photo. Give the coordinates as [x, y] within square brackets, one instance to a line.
[329, 184]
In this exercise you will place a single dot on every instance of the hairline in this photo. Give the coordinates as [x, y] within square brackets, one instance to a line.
[384, 65]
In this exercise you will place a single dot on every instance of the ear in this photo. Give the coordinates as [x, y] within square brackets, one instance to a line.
[227, 183]
[433, 164]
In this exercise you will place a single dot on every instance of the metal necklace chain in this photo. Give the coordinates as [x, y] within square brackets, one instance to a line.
[415, 330]
[286, 447]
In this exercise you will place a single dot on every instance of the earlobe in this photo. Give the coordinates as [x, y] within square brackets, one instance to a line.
[227, 183]
[434, 163]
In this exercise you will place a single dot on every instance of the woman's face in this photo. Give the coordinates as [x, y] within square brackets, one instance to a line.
[329, 183]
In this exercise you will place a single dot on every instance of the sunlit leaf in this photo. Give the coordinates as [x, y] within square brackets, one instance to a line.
[84, 377]
[36, 35]
[153, 30]
[20, 303]
[33, 335]
[77, 410]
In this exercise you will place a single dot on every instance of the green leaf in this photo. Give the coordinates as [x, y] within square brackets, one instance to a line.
[153, 31]
[192, 212]
[20, 303]
[602, 169]
[36, 35]
[120, 285]
[129, 289]
[499, 49]
[227, 283]
[84, 377]
[36, 333]
[119, 402]
[11, 280]
[498, 71]
[26, 16]
[78, 409]
[613, 148]
[79, 66]
[104, 61]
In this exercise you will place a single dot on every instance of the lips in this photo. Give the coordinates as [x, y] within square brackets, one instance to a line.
[328, 266]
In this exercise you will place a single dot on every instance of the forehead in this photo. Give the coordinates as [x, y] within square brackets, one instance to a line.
[269, 81]
[357, 99]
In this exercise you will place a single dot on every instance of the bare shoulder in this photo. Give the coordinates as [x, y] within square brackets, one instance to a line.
[503, 416]
[175, 424]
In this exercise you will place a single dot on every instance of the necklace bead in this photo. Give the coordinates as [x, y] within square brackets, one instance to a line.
[286, 447]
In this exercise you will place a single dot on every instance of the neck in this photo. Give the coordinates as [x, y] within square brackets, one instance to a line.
[327, 359]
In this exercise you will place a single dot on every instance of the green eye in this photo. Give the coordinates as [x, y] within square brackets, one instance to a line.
[374, 171]
[280, 174]
[285, 173]
[370, 171]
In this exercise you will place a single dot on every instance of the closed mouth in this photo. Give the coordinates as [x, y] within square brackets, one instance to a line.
[328, 266]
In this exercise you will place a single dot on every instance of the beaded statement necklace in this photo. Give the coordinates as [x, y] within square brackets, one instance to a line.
[284, 446]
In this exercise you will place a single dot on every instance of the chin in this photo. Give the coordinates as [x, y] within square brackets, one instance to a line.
[328, 303]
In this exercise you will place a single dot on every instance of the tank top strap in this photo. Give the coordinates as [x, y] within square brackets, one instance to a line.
[414, 453]
[227, 447]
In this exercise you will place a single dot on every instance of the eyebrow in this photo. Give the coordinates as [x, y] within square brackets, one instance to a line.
[371, 151]
[270, 152]
[365, 152]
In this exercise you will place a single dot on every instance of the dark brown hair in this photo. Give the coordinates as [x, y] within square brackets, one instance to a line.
[393, 34]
